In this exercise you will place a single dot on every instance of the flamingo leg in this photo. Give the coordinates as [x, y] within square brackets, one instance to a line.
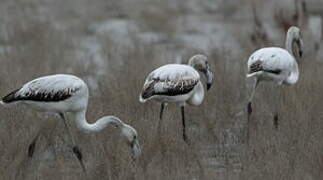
[162, 106]
[276, 120]
[251, 96]
[184, 127]
[249, 107]
[32, 146]
[76, 149]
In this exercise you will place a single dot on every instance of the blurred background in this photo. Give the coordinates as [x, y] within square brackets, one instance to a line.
[114, 44]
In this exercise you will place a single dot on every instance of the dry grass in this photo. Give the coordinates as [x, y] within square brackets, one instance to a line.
[293, 151]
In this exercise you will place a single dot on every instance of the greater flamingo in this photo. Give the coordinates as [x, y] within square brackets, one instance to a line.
[276, 64]
[180, 84]
[63, 93]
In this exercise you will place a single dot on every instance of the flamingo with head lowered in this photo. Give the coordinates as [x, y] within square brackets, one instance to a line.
[64, 93]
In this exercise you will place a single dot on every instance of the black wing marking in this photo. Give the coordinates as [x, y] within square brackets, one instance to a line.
[179, 88]
[172, 88]
[41, 96]
[10, 97]
[148, 90]
[276, 71]
[257, 66]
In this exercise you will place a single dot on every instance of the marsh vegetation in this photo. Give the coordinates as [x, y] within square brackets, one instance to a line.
[113, 45]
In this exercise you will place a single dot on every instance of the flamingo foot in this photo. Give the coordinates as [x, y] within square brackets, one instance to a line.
[249, 108]
[276, 121]
[32, 146]
[78, 153]
[31, 149]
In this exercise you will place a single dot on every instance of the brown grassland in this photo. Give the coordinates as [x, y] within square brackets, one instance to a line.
[31, 48]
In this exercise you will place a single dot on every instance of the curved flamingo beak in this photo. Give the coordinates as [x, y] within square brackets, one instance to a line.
[209, 79]
[136, 150]
[300, 47]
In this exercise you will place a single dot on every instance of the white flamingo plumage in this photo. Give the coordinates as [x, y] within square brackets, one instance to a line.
[64, 93]
[178, 83]
[276, 64]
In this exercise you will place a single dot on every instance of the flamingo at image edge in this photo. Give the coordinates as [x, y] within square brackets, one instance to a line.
[63, 93]
[180, 84]
[276, 64]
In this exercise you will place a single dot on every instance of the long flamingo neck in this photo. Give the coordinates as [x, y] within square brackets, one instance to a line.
[83, 125]
[198, 95]
[290, 44]
[293, 77]
[290, 47]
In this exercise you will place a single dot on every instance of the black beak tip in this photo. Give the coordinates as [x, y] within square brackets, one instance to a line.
[300, 53]
[208, 86]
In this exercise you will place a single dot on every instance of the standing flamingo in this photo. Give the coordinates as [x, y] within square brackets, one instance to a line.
[180, 84]
[63, 93]
[276, 64]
